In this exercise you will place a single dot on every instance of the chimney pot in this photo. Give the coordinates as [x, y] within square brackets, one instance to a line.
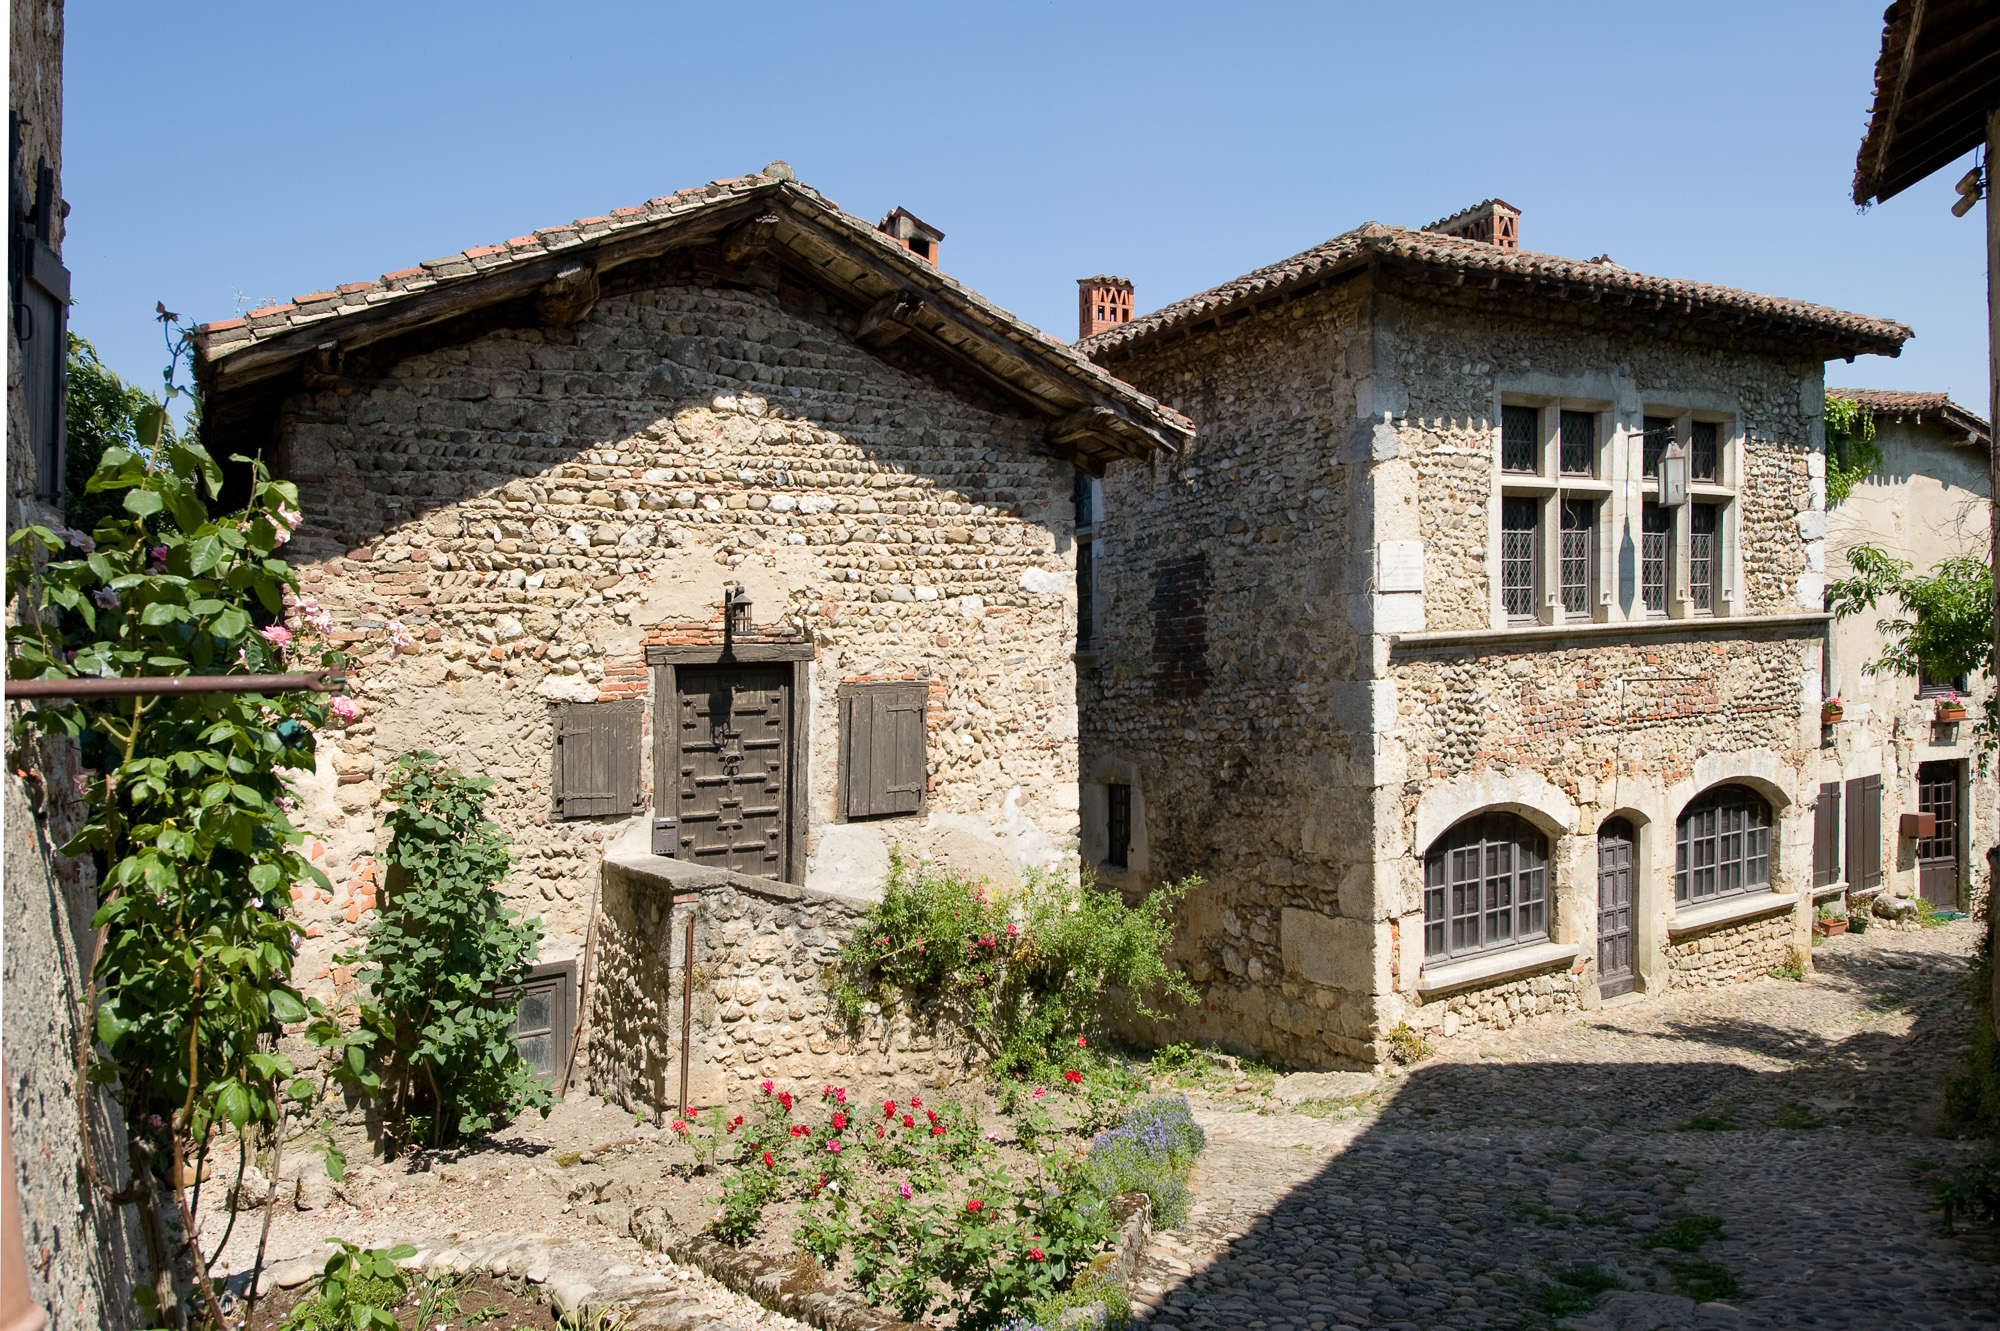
[1101, 303]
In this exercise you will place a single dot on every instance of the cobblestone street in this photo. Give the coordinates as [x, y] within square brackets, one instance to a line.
[1754, 1156]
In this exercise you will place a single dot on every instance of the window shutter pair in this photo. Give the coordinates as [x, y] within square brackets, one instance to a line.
[1826, 836]
[882, 738]
[1864, 833]
[597, 758]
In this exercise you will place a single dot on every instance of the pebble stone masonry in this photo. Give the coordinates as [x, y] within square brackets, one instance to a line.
[1307, 675]
[542, 491]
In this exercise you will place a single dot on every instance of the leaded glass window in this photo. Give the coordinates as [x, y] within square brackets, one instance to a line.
[1722, 847]
[1654, 526]
[1486, 887]
[1579, 443]
[1659, 432]
[1520, 523]
[1704, 555]
[1704, 451]
[1579, 534]
[1520, 442]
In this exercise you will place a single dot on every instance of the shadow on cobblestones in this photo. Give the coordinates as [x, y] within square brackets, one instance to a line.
[1721, 1167]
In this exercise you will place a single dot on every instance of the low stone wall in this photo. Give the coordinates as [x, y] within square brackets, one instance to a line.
[763, 953]
[1500, 1007]
[1729, 952]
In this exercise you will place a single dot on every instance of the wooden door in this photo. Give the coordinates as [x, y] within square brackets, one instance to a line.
[1938, 870]
[1615, 847]
[733, 759]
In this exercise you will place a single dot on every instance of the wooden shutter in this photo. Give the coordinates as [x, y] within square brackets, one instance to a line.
[883, 748]
[1864, 833]
[597, 758]
[1826, 835]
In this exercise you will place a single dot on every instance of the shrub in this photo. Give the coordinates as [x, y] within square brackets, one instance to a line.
[359, 1290]
[1150, 1152]
[443, 958]
[1029, 970]
[1407, 1044]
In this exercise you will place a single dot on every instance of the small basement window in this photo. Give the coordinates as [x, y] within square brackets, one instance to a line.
[545, 1018]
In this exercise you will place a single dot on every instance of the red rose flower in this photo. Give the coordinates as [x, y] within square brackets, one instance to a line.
[1080, 1042]
[975, 1205]
[769, 1163]
[1034, 1254]
[937, 1132]
[888, 1109]
[1073, 1078]
[916, 1103]
[833, 1146]
[839, 1122]
[909, 1121]
[785, 1099]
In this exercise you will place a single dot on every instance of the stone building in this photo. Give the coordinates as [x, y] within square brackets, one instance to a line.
[1888, 758]
[1458, 717]
[83, 1255]
[728, 509]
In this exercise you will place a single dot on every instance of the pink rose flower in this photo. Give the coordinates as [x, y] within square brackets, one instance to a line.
[277, 635]
[344, 708]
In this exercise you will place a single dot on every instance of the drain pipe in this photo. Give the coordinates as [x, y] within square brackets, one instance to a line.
[687, 1000]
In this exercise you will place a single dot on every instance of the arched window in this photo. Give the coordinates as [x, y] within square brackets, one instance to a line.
[1722, 846]
[1486, 886]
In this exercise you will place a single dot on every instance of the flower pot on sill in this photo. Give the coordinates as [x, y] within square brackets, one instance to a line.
[1949, 713]
[1830, 715]
[1831, 928]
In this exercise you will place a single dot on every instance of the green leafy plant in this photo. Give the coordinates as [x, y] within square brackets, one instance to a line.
[359, 1290]
[1944, 630]
[1851, 452]
[1031, 971]
[1704, 1282]
[443, 959]
[1407, 1044]
[1686, 1234]
[101, 412]
[183, 798]
[1575, 1289]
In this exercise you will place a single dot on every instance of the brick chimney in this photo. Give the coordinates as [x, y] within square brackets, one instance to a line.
[1101, 303]
[1495, 222]
[912, 233]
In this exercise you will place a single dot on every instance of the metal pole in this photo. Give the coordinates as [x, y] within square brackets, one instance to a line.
[687, 1007]
[96, 686]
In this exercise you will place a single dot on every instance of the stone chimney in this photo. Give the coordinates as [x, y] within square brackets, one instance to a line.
[913, 234]
[1101, 303]
[1494, 222]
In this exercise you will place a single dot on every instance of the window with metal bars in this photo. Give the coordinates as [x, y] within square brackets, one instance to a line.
[1722, 847]
[1520, 440]
[1086, 594]
[1117, 824]
[1520, 528]
[1655, 527]
[1578, 430]
[1658, 433]
[1705, 451]
[1705, 556]
[1579, 537]
[1486, 887]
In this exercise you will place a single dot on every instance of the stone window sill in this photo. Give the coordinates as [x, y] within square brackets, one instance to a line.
[1508, 965]
[1728, 912]
[1611, 630]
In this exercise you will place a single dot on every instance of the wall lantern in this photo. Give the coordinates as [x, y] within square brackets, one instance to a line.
[1673, 476]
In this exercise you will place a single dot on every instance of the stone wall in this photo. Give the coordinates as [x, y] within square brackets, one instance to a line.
[1731, 953]
[761, 1006]
[1341, 497]
[534, 506]
[1500, 1007]
[1227, 691]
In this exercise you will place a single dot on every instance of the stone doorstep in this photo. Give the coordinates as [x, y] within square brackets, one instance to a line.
[796, 1290]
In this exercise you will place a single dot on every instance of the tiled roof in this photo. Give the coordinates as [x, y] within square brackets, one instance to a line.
[1916, 406]
[1843, 333]
[303, 321]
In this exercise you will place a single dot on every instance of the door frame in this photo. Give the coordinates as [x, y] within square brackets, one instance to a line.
[1631, 982]
[1961, 841]
[666, 663]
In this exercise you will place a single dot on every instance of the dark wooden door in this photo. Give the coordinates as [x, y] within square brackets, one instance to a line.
[733, 753]
[1938, 869]
[1615, 845]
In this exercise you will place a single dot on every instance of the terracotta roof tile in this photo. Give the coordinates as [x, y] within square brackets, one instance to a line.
[1891, 402]
[1373, 241]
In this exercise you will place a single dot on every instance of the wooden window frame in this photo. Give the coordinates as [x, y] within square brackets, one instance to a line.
[850, 694]
[1736, 842]
[562, 1009]
[666, 733]
[1529, 892]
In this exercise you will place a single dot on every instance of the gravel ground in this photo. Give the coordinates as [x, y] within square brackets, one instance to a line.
[1748, 1157]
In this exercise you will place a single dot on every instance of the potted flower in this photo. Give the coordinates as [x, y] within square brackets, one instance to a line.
[1830, 712]
[1831, 922]
[1949, 708]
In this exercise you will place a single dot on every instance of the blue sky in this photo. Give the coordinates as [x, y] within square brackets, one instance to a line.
[221, 154]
